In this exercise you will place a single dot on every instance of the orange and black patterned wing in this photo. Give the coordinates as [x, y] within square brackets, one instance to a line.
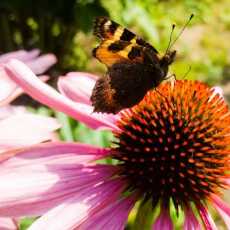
[110, 52]
[133, 67]
[119, 44]
[104, 28]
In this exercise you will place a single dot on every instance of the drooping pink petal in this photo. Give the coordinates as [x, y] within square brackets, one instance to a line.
[190, 222]
[25, 78]
[42, 63]
[21, 55]
[11, 91]
[34, 181]
[74, 211]
[26, 129]
[206, 217]
[8, 88]
[223, 209]
[8, 224]
[163, 219]
[77, 86]
[113, 217]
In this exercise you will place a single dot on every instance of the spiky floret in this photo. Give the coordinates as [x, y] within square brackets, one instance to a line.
[175, 144]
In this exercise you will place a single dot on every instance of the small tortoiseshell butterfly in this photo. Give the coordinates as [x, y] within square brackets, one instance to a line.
[134, 67]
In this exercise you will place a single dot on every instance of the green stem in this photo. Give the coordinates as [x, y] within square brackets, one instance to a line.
[144, 217]
[66, 131]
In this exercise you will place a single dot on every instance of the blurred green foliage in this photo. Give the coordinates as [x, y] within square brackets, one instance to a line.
[25, 223]
[48, 25]
[64, 27]
[204, 44]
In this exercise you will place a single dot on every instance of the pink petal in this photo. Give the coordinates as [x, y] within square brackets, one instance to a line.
[42, 63]
[190, 223]
[26, 129]
[218, 90]
[21, 55]
[8, 89]
[40, 191]
[74, 211]
[8, 110]
[163, 221]
[24, 77]
[223, 209]
[113, 217]
[82, 153]
[206, 218]
[77, 86]
[227, 181]
[8, 224]
[11, 91]
[7, 86]
[34, 181]
[8, 98]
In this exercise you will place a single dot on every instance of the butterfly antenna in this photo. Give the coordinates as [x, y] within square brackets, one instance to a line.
[170, 38]
[182, 30]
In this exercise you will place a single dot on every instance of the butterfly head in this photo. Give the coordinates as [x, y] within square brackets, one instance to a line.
[168, 58]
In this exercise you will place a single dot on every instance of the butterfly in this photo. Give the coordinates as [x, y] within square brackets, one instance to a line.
[134, 67]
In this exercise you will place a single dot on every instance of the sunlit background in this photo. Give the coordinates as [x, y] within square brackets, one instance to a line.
[64, 27]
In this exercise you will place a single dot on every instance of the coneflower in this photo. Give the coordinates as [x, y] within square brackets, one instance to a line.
[173, 146]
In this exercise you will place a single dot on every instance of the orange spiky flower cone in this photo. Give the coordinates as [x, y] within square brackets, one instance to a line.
[175, 145]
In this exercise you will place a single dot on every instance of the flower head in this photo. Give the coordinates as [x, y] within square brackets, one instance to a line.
[174, 145]
[176, 139]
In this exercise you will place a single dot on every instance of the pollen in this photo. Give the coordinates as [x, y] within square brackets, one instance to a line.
[175, 144]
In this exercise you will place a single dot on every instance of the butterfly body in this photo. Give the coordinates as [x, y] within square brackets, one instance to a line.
[134, 67]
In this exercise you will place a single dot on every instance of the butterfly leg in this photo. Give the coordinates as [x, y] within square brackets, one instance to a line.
[170, 76]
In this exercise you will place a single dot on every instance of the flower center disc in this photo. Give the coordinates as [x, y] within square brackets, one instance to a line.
[175, 143]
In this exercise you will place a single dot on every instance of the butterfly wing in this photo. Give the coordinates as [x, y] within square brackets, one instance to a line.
[119, 44]
[105, 28]
[110, 52]
[131, 63]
